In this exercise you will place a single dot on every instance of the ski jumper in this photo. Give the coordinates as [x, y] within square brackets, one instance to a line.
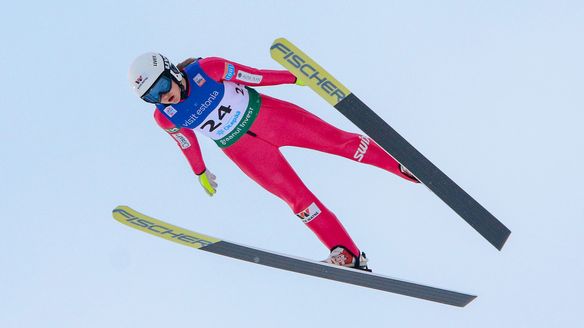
[251, 127]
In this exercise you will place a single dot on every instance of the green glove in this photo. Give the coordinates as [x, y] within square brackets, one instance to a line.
[299, 82]
[207, 180]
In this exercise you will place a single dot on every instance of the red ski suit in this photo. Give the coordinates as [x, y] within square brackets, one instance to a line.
[279, 124]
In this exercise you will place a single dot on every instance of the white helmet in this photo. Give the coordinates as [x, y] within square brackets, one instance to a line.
[147, 69]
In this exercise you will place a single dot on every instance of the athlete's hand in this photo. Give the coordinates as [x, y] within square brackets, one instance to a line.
[299, 82]
[207, 180]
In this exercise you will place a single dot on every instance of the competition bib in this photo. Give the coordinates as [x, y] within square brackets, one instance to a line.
[221, 111]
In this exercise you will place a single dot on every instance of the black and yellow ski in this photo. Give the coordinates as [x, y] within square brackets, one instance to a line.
[323, 83]
[207, 243]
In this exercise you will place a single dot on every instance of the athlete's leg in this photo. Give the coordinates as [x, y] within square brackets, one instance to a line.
[264, 163]
[285, 124]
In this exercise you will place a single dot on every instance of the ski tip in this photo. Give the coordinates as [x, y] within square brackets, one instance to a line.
[120, 211]
[277, 44]
[280, 40]
[120, 207]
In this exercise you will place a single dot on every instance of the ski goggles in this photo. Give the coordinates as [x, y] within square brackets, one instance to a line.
[162, 85]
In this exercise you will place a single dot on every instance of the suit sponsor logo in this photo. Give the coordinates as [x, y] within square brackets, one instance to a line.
[229, 71]
[182, 141]
[310, 213]
[199, 80]
[362, 149]
[170, 111]
[172, 130]
[248, 77]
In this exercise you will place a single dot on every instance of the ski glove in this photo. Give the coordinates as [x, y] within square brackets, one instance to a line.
[299, 82]
[207, 180]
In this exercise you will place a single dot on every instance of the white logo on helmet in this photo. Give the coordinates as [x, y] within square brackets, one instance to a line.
[166, 62]
[140, 80]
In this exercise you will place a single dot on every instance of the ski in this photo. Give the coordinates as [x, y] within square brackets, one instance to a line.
[323, 83]
[136, 220]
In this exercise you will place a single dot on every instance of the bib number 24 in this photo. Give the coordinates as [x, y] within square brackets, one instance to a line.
[222, 112]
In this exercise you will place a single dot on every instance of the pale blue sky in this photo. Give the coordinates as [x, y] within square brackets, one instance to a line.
[490, 91]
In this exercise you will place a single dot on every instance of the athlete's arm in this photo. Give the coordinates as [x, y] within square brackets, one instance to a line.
[186, 140]
[224, 70]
